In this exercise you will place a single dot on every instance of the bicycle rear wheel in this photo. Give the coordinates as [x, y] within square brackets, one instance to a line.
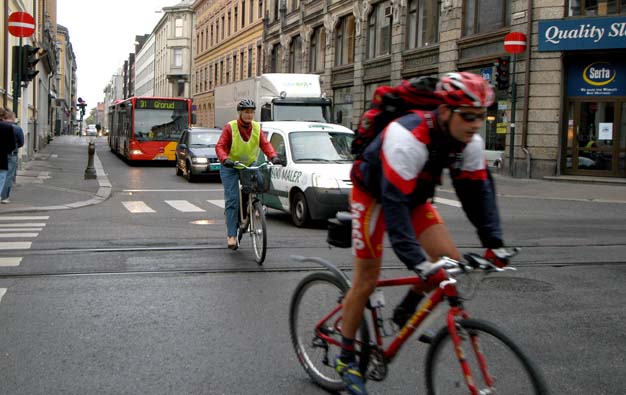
[315, 298]
[258, 228]
[510, 370]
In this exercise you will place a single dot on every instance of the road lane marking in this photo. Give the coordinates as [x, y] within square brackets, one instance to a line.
[16, 235]
[136, 207]
[21, 229]
[218, 203]
[24, 225]
[448, 202]
[10, 261]
[184, 206]
[2, 292]
[24, 218]
[15, 245]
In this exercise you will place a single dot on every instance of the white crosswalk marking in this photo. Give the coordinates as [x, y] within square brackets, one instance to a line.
[20, 229]
[10, 261]
[16, 235]
[218, 203]
[23, 225]
[137, 207]
[15, 245]
[24, 218]
[2, 292]
[448, 202]
[184, 206]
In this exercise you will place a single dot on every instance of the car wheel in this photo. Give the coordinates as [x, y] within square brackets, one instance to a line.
[189, 173]
[299, 210]
[179, 172]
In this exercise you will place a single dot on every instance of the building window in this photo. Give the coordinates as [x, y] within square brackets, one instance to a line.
[210, 77]
[249, 62]
[178, 30]
[223, 23]
[295, 55]
[275, 13]
[227, 70]
[250, 14]
[344, 41]
[344, 105]
[241, 65]
[234, 67]
[485, 15]
[211, 34]
[260, 10]
[177, 57]
[316, 52]
[259, 60]
[294, 5]
[221, 72]
[229, 23]
[243, 13]
[275, 60]
[422, 23]
[379, 31]
[216, 79]
[237, 15]
[596, 7]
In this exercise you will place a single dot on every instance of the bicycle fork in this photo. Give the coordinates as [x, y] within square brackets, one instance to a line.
[457, 339]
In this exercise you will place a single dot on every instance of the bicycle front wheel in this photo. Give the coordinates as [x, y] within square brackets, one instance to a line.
[497, 364]
[258, 232]
[316, 333]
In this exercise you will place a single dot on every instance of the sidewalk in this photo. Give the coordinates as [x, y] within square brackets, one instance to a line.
[54, 180]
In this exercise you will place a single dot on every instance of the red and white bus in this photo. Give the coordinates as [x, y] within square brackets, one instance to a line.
[148, 128]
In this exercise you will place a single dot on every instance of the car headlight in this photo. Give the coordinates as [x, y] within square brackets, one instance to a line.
[136, 152]
[200, 160]
[322, 181]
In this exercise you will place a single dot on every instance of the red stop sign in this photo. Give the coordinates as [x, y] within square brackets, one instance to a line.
[21, 24]
[515, 42]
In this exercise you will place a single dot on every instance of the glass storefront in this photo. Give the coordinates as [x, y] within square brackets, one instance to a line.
[595, 130]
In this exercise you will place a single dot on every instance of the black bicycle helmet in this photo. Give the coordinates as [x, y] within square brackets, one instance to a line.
[246, 103]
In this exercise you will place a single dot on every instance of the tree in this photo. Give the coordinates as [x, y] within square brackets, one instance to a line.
[91, 118]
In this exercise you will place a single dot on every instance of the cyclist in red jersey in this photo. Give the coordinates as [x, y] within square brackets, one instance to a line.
[393, 186]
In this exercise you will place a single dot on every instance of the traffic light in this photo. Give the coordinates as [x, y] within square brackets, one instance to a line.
[29, 62]
[81, 105]
[502, 73]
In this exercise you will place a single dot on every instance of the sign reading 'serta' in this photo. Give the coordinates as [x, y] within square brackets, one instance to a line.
[582, 34]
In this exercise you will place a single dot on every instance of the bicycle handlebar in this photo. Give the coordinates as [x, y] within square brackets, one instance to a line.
[266, 163]
[472, 262]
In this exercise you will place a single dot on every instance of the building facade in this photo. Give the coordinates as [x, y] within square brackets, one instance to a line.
[144, 68]
[66, 83]
[172, 63]
[357, 45]
[228, 47]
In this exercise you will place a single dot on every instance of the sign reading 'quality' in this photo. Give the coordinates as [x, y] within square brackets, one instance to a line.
[582, 34]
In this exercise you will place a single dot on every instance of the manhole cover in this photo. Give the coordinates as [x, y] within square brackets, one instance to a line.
[516, 284]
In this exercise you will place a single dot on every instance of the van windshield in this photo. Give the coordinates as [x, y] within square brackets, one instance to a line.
[321, 146]
[308, 113]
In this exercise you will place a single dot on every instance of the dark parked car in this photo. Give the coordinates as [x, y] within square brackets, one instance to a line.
[195, 153]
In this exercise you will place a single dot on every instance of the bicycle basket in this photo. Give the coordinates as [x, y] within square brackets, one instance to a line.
[255, 181]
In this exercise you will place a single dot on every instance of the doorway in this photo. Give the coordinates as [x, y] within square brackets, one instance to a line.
[596, 137]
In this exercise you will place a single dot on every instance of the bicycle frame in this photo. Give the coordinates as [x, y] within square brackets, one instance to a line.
[446, 288]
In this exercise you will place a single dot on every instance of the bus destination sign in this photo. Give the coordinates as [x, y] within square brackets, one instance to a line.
[161, 104]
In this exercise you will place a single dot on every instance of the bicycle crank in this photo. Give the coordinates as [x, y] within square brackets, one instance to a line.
[377, 366]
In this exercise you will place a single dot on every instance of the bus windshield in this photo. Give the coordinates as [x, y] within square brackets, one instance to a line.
[160, 124]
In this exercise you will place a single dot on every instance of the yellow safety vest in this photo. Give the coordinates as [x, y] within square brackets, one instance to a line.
[245, 152]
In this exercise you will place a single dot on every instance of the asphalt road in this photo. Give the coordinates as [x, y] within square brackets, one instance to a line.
[108, 301]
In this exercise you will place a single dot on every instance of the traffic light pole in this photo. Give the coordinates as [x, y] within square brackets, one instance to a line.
[17, 79]
[513, 97]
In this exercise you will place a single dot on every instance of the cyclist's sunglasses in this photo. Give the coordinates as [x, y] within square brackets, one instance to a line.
[470, 116]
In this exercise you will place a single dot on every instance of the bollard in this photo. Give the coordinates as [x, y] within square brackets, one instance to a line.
[90, 172]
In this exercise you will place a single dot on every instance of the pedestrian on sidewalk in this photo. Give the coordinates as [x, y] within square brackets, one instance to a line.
[7, 145]
[8, 116]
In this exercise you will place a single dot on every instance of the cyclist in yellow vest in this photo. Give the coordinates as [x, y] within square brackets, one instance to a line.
[241, 141]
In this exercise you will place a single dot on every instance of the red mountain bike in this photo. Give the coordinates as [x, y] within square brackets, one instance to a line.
[466, 356]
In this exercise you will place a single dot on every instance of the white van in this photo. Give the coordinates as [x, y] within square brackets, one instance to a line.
[314, 182]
